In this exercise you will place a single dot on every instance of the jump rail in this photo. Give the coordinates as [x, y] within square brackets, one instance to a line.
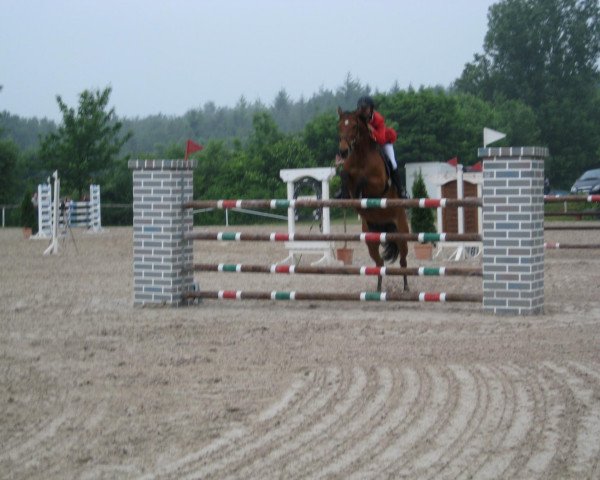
[583, 213]
[369, 202]
[571, 198]
[350, 203]
[317, 296]
[572, 227]
[338, 270]
[571, 246]
[333, 237]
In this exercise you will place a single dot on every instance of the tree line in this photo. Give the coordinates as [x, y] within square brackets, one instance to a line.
[537, 80]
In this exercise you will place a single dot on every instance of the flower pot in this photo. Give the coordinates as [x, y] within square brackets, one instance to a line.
[27, 232]
[344, 255]
[423, 251]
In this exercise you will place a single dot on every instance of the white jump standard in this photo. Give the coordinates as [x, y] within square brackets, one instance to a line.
[85, 214]
[297, 248]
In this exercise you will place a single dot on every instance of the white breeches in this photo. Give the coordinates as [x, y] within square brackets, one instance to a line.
[389, 151]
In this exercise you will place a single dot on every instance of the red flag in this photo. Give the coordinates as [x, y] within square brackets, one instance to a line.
[192, 147]
[453, 161]
[478, 167]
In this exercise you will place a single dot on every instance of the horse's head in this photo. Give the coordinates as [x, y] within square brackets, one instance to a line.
[351, 128]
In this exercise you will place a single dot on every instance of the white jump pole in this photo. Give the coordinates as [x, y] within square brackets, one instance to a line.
[460, 194]
[326, 216]
[291, 210]
[53, 247]
[95, 220]
[44, 199]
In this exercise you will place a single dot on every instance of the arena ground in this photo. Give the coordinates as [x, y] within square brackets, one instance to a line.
[91, 387]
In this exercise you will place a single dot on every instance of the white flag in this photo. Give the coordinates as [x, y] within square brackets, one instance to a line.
[490, 136]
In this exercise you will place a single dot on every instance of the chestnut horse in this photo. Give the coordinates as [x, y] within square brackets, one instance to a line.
[364, 175]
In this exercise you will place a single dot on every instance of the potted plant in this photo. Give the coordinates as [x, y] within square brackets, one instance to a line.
[422, 219]
[344, 254]
[28, 215]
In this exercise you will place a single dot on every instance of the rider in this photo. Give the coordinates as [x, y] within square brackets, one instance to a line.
[384, 136]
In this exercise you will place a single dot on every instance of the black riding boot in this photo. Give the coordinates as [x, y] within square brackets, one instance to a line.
[397, 183]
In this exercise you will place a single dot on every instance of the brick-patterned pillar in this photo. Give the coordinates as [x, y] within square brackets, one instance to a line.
[162, 259]
[513, 230]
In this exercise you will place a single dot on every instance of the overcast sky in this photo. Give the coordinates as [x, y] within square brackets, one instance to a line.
[169, 56]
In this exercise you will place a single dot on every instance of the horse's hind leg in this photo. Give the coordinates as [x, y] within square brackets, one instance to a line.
[402, 224]
[375, 255]
[403, 248]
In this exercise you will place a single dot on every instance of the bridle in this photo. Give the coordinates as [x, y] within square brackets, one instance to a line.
[351, 141]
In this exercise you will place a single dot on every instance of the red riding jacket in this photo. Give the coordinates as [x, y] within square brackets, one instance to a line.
[380, 133]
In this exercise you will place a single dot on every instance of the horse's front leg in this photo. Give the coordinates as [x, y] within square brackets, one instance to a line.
[345, 189]
[361, 187]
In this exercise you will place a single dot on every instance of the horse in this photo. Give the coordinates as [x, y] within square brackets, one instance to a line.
[364, 175]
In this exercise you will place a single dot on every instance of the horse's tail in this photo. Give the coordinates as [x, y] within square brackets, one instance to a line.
[390, 249]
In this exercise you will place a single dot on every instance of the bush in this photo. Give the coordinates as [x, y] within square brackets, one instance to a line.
[421, 219]
[28, 213]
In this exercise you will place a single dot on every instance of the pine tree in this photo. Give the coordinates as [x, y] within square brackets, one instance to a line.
[421, 219]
